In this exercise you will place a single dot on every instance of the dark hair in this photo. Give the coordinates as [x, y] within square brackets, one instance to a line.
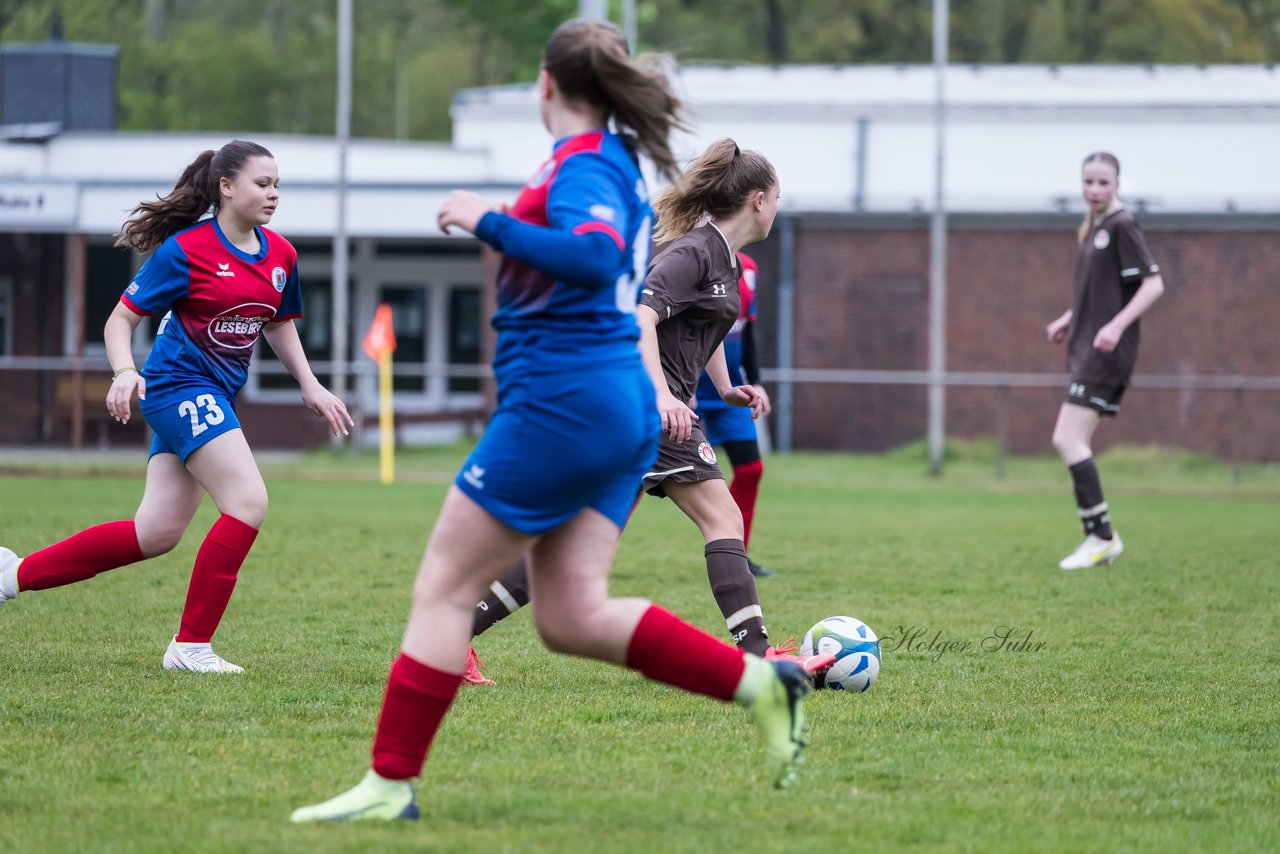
[717, 184]
[1097, 157]
[590, 62]
[191, 198]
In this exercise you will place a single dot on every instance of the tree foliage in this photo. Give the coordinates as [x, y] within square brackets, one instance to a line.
[270, 65]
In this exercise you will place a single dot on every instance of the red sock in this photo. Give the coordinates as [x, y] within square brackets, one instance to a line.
[667, 649]
[744, 489]
[214, 578]
[417, 699]
[81, 556]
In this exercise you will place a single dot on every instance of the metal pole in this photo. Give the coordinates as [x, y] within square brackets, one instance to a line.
[1002, 429]
[860, 166]
[938, 251]
[338, 329]
[594, 9]
[784, 404]
[629, 24]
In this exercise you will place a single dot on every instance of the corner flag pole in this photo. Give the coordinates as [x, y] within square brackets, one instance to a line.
[379, 344]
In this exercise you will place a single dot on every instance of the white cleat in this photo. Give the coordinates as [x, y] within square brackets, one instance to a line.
[1094, 551]
[8, 574]
[196, 658]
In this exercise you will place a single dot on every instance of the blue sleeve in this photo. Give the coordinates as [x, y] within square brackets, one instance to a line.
[164, 279]
[583, 246]
[291, 298]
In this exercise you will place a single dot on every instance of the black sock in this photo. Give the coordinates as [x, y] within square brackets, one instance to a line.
[1094, 516]
[735, 590]
[510, 594]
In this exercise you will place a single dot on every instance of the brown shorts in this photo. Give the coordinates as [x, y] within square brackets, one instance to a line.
[1104, 399]
[683, 462]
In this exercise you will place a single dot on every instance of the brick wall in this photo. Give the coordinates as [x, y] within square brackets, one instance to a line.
[861, 302]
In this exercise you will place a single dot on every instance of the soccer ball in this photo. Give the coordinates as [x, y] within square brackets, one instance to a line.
[855, 646]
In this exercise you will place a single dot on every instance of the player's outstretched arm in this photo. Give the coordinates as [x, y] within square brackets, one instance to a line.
[284, 341]
[1056, 330]
[1151, 289]
[743, 395]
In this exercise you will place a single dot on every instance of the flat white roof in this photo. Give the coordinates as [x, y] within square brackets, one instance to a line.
[843, 138]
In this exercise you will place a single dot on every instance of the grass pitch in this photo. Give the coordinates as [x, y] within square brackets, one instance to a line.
[1130, 708]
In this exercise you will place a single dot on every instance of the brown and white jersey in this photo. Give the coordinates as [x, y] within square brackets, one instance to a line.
[1110, 266]
[693, 287]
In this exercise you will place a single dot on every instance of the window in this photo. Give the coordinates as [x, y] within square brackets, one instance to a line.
[465, 327]
[108, 271]
[409, 320]
[6, 316]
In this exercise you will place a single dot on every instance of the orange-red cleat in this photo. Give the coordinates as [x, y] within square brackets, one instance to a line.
[473, 676]
[814, 665]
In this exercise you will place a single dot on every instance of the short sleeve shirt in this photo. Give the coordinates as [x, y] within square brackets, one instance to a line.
[693, 287]
[1110, 266]
[218, 298]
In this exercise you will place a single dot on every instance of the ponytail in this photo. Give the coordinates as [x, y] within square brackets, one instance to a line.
[196, 192]
[1114, 162]
[589, 61]
[717, 184]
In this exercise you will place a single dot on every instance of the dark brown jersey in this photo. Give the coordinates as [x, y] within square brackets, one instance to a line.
[693, 286]
[1110, 266]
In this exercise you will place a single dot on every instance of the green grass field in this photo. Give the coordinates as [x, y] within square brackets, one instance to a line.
[1149, 719]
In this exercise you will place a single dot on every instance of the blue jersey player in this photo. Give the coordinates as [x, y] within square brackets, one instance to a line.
[219, 283]
[576, 427]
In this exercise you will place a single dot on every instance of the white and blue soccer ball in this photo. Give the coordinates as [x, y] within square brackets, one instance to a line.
[855, 646]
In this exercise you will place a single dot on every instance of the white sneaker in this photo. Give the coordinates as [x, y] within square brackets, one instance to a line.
[196, 658]
[8, 575]
[1094, 551]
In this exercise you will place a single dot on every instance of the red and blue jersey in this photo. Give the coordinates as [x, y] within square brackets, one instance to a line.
[576, 247]
[218, 298]
[707, 394]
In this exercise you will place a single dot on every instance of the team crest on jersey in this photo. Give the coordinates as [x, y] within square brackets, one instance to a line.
[1102, 239]
[707, 453]
[277, 278]
[541, 176]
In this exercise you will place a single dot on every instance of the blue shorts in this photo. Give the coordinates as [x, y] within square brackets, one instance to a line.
[564, 441]
[727, 424]
[185, 419]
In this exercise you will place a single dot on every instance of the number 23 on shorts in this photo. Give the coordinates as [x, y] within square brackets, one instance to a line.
[203, 413]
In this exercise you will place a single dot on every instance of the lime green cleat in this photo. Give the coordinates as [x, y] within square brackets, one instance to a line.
[776, 707]
[373, 798]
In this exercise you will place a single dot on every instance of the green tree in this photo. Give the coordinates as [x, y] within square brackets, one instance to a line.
[245, 66]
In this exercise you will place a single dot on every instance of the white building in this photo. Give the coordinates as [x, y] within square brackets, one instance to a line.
[845, 140]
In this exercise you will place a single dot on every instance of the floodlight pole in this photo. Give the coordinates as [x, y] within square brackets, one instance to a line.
[338, 328]
[629, 24]
[938, 251]
[597, 10]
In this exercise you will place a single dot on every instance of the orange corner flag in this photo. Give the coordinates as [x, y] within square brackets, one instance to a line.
[380, 340]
